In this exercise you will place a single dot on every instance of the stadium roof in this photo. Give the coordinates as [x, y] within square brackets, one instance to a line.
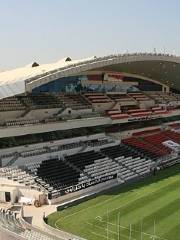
[159, 67]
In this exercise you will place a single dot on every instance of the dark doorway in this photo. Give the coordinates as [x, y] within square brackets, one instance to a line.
[7, 196]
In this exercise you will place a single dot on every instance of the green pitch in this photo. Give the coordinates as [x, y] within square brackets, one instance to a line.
[140, 211]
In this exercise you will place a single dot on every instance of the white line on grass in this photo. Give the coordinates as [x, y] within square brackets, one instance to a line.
[97, 234]
[105, 229]
[109, 200]
[133, 230]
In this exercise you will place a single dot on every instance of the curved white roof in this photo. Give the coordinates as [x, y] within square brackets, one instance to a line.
[24, 79]
[12, 82]
[27, 72]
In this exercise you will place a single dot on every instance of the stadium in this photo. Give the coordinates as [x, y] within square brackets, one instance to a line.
[90, 149]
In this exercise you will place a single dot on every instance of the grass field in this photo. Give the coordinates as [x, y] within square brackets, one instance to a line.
[140, 211]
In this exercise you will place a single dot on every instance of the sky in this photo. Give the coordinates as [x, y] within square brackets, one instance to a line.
[49, 30]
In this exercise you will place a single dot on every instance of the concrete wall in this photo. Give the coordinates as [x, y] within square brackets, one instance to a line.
[48, 127]
[146, 103]
[41, 114]
[90, 190]
[101, 107]
[127, 103]
[14, 193]
[75, 113]
[65, 125]
[51, 143]
[9, 115]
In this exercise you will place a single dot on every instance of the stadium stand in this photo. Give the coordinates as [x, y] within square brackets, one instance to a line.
[69, 130]
[62, 175]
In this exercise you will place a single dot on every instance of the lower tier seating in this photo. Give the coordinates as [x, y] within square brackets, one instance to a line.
[152, 141]
[81, 170]
[145, 147]
[57, 173]
[82, 159]
[157, 139]
[118, 150]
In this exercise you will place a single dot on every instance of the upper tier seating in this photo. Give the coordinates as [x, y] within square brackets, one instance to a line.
[35, 101]
[139, 96]
[163, 97]
[139, 113]
[44, 100]
[97, 97]
[120, 97]
[138, 110]
[152, 112]
[19, 122]
[11, 104]
[176, 96]
[74, 101]
[116, 114]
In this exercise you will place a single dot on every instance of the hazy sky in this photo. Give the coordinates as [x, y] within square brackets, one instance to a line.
[48, 30]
